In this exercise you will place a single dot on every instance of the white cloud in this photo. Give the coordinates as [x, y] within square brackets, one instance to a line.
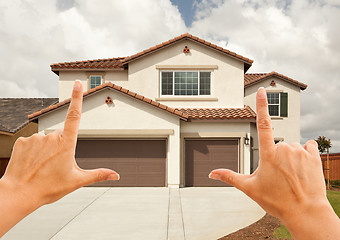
[36, 33]
[296, 38]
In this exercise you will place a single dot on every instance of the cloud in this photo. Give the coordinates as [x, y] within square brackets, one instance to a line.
[296, 38]
[36, 33]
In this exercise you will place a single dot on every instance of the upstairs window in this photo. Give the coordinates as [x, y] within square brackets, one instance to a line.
[95, 81]
[277, 104]
[185, 83]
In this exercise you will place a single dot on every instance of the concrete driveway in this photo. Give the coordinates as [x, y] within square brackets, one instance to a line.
[140, 213]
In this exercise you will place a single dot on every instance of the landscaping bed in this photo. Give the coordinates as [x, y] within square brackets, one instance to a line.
[268, 225]
[262, 229]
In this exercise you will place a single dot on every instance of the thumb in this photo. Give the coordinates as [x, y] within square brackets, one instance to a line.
[98, 175]
[228, 176]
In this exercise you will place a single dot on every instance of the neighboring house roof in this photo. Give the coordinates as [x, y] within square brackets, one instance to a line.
[183, 113]
[253, 78]
[14, 111]
[219, 113]
[118, 63]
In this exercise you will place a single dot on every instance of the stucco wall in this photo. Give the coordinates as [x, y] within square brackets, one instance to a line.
[7, 142]
[124, 114]
[287, 128]
[67, 78]
[226, 80]
[142, 76]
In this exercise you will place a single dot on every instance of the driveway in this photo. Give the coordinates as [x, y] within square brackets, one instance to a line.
[140, 213]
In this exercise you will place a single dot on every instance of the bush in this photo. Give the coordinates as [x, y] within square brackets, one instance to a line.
[335, 183]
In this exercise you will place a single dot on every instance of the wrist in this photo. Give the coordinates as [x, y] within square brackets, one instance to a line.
[18, 196]
[314, 221]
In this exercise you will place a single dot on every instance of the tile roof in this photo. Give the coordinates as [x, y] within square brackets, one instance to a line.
[13, 114]
[184, 36]
[118, 63]
[252, 78]
[96, 64]
[110, 85]
[183, 113]
[219, 113]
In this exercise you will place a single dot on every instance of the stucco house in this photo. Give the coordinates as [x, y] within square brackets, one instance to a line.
[170, 114]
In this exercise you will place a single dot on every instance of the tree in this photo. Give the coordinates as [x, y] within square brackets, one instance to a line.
[323, 144]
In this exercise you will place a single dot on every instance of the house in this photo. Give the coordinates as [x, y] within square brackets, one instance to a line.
[14, 123]
[170, 114]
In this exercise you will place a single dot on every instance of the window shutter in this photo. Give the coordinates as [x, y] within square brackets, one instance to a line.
[284, 104]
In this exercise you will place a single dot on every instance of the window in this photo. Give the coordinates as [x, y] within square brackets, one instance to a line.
[277, 104]
[273, 104]
[95, 81]
[181, 83]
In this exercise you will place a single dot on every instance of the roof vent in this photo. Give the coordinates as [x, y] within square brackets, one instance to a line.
[186, 49]
[108, 100]
[272, 83]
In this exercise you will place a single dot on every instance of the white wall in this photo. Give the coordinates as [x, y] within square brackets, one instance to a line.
[143, 77]
[67, 78]
[227, 80]
[287, 128]
[125, 113]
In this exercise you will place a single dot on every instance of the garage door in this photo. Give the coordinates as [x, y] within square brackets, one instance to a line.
[140, 163]
[203, 156]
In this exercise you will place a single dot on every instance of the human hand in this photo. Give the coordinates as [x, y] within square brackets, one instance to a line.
[43, 168]
[288, 182]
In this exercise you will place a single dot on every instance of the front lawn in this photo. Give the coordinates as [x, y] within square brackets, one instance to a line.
[333, 198]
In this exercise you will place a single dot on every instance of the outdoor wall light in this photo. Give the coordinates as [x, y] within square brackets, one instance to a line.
[246, 139]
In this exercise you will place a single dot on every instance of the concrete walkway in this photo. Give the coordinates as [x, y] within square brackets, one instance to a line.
[140, 213]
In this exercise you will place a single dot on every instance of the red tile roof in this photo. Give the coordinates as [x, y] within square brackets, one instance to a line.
[118, 63]
[184, 36]
[252, 78]
[183, 113]
[97, 64]
[219, 113]
[117, 88]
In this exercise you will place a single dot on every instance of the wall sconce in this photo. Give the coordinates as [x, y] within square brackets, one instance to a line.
[247, 139]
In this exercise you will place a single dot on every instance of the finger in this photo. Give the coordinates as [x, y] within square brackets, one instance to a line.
[89, 177]
[72, 120]
[312, 147]
[264, 124]
[235, 179]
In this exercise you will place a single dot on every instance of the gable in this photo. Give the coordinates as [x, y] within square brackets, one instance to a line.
[123, 113]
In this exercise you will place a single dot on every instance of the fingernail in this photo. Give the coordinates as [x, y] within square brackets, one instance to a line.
[76, 85]
[261, 92]
[214, 176]
[113, 176]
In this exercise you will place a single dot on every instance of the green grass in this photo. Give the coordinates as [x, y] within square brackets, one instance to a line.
[333, 198]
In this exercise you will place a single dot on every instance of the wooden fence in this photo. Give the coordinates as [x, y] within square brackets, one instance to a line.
[334, 165]
[3, 165]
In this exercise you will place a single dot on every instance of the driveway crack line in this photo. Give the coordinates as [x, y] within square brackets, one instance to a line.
[180, 203]
[78, 214]
[167, 225]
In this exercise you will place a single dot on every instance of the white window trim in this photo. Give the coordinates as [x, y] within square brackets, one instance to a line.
[173, 84]
[279, 104]
[92, 75]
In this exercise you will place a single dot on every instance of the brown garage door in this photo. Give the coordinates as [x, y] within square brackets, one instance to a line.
[202, 156]
[139, 162]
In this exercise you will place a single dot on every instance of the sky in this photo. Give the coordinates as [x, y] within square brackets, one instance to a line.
[299, 39]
